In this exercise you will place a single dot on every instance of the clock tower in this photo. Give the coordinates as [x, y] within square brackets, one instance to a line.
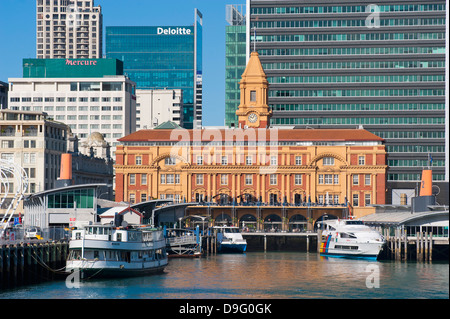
[253, 110]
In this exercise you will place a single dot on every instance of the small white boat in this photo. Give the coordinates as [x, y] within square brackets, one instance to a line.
[350, 239]
[109, 251]
[229, 239]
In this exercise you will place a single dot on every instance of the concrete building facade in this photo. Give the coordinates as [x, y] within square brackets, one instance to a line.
[154, 107]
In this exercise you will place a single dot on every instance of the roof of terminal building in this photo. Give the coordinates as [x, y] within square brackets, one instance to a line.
[167, 125]
[399, 216]
[206, 135]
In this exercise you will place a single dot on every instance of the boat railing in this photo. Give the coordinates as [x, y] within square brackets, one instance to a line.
[180, 240]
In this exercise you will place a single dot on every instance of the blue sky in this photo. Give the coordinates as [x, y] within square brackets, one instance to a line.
[18, 37]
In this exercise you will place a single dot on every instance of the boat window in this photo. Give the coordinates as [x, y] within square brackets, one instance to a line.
[94, 230]
[347, 235]
[346, 247]
[119, 236]
[354, 222]
[230, 230]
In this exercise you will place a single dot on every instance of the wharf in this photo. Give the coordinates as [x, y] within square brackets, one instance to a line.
[281, 241]
[30, 263]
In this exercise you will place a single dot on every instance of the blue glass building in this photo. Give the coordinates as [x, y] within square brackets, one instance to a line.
[158, 57]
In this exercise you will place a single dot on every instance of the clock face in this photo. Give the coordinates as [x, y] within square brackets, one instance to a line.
[252, 118]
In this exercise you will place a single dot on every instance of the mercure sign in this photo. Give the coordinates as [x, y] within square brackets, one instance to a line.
[81, 62]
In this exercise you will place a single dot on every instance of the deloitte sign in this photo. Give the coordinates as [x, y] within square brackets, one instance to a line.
[174, 31]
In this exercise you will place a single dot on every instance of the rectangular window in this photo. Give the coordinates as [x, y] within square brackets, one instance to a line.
[132, 198]
[177, 178]
[320, 178]
[224, 160]
[273, 160]
[329, 179]
[169, 161]
[336, 199]
[138, 160]
[170, 179]
[199, 160]
[355, 200]
[328, 161]
[143, 179]
[298, 160]
[367, 199]
[199, 179]
[336, 179]
[248, 179]
[356, 179]
[248, 160]
[367, 179]
[143, 197]
[298, 179]
[224, 179]
[320, 199]
[252, 96]
[273, 179]
[132, 179]
[163, 178]
[361, 160]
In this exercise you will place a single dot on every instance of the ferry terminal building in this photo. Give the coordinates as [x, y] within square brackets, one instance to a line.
[254, 163]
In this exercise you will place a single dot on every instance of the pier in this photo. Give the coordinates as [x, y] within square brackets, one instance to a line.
[270, 241]
[423, 246]
[31, 263]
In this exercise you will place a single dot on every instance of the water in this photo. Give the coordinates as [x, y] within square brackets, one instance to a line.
[272, 275]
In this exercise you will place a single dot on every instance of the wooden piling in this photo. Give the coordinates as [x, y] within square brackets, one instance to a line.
[405, 245]
[431, 247]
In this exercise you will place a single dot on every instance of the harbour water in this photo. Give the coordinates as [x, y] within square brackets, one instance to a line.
[259, 275]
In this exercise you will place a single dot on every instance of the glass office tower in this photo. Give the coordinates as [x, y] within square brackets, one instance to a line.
[235, 60]
[157, 57]
[335, 64]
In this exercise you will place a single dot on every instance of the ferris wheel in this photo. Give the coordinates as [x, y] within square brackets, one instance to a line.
[11, 174]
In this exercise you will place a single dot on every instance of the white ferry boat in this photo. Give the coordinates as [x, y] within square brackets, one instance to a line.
[350, 239]
[109, 251]
[229, 239]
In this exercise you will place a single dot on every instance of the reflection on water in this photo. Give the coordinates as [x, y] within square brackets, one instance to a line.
[263, 275]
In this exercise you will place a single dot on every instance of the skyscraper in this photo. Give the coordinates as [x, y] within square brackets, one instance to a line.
[235, 60]
[333, 64]
[158, 57]
[68, 29]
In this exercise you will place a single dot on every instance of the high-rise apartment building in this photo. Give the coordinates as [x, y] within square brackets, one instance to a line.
[235, 60]
[159, 57]
[68, 29]
[344, 64]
